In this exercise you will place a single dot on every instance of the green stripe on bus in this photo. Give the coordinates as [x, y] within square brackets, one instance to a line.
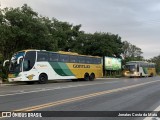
[65, 69]
[61, 69]
[145, 70]
[56, 67]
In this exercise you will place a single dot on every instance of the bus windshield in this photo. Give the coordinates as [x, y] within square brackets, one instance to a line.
[131, 67]
[14, 67]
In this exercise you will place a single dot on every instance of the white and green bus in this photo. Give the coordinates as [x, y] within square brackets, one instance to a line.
[139, 69]
[41, 66]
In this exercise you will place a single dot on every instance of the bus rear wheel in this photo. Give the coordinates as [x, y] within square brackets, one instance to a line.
[92, 77]
[86, 77]
[151, 75]
[43, 79]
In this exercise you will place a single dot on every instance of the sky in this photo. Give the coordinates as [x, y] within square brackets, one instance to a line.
[135, 21]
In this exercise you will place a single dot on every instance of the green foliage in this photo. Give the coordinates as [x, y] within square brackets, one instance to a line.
[131, 52]
[3, 70]
[100, 44]
[0, 66]
[156, 60]
[22, 28]
[65, 34]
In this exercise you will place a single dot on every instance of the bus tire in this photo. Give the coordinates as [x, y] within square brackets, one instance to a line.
[151, 75]
[43, 78]
[86, 77]
[92, 77]
[141, 75]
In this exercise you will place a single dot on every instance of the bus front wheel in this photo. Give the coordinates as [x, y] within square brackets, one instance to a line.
[43, 79]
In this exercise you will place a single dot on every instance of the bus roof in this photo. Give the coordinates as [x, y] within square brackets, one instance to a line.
[69, 53]
[27, 50]
[74, 53]
[140, 62]
[60, 52]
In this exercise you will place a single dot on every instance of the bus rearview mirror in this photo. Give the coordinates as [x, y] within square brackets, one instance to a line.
[4, 63]
[19, 59]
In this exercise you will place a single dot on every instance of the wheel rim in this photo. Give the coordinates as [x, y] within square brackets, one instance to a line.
[42, 79]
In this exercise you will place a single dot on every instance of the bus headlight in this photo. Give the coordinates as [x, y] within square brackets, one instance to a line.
[19, 75]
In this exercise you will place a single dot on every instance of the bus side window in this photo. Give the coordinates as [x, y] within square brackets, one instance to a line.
[90, 60]
[73, 59]
[81, 59]
[42, 56]
[64, 58]
[98, 60]
[54, 57]
[87, 60]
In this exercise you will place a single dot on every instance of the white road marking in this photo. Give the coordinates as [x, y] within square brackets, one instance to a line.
[153, 118]
[53, 88]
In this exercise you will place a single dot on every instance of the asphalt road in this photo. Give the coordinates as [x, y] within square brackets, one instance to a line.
[101, 95]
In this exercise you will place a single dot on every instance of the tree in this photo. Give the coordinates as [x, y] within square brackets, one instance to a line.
[65, 34]
[131, 52]
[156, 60]
[22, 28]
[99, 44]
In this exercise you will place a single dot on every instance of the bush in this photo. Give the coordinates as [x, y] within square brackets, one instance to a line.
[3, 73]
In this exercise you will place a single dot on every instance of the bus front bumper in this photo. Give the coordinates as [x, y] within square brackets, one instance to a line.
[131, 75]
[15, 79]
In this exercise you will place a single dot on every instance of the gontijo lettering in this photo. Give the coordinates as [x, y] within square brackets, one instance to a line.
[81, 66]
